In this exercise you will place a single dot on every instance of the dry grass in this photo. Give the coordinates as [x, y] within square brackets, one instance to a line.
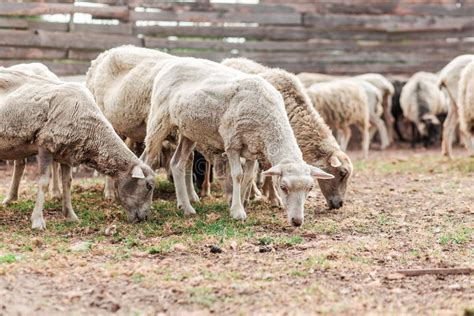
[406, 211]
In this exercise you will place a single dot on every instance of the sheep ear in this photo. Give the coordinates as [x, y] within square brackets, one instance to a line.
[273, 171]
[335, 162]
[320, 174]
[137, 173]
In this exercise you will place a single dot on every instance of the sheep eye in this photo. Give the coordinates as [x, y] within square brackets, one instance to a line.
[284, 189]
[343, 173]
[149, 187]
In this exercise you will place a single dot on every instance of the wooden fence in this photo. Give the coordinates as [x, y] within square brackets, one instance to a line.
[329, 36]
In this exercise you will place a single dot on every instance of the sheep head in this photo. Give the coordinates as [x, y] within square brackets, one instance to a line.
[293, 182]
[135, 191]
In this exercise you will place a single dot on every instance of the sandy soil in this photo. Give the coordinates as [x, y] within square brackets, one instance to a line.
[405, 210]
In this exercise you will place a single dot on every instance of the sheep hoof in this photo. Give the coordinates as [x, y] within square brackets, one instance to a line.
[38, 223]
[238, 213]
[70, 215]
[193, 197]
[188, 210]
[8, 200]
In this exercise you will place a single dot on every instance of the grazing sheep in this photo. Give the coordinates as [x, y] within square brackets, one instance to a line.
[60, 121]
[121, 80]
[466, 106]
[449, 78]
[387, 90]
[343, 103]
[375, 99]
[232, 112]
[379, 92]
[421, 101]
[315, 139]
[19, 165]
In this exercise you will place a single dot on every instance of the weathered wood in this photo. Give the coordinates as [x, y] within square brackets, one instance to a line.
[31, 53]
[22, 9]
[81, 40]
[387, 23]
[60, 68]
[448, 8]
[439, 271]
[218, 17]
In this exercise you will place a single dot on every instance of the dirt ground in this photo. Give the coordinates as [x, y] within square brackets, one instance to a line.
[405, 209]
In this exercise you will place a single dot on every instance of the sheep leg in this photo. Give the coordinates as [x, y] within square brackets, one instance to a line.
[267, 182]
[382, 129]
[254, 191]
[178, 165]
[388, 117]
[449, 130]
[159, 129]
[66, 179]
[45, 160]
[365, 140]
[249, 172]
[18, 169]
[54, 188]
[273, 196]
[345, 137]
[206, 185]
[189, 180]
[237, 209]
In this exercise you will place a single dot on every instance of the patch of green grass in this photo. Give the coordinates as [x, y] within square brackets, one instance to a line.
[202, 295]
[164, 186]
[460, 236]
[289, 241]
[265, 240]
[8, 258]
[319, 262]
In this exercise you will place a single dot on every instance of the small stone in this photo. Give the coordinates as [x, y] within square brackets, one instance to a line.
[215, 249]
[233, 245]
[110, 230]
[265, 249]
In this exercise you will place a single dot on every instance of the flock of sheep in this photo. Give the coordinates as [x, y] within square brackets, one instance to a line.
[242, 116]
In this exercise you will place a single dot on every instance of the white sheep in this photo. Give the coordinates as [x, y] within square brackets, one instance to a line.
[343, 103]
[379, 93]
[60, 121]
[449, 78]
[121, 80]
[387, 90]
[466, 106]
[421, 101]
[19, 165]
[232, 112]
[315, 139]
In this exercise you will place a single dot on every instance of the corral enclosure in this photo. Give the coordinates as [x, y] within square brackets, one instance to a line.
[333, 36]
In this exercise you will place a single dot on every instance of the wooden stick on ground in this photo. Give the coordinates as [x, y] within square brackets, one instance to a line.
[442, 271]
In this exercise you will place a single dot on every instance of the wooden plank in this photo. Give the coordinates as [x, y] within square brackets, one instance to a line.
[451, 8]
[83, 54]
[31, 53]
[218, 17]
[386, 23]
[22, 9]
[260, 32]
[13, 23]
[121, 28]
[65, 40]
[60, 68]
[212, 7]
[296, 33]
[221, 45]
